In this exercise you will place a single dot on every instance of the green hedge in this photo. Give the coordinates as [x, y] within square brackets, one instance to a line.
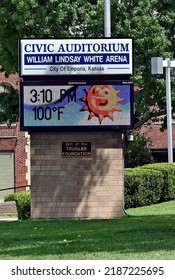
[168, 171]
[23, 200]
[142, 187]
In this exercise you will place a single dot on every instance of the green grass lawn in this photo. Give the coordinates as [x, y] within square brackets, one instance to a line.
[144, 233]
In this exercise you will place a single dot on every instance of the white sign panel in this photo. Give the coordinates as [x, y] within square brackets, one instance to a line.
[112, 56]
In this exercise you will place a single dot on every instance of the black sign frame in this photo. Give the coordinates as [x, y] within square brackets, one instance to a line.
[80, 127]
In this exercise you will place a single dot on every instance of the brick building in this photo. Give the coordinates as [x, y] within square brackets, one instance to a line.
[14, 151]
[158, 139]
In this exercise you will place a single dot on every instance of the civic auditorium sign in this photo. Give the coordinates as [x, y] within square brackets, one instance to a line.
[112, 56]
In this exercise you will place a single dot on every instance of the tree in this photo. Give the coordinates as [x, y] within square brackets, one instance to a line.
[41, 19]
[9, 105]
[138, 151]
[145, 21]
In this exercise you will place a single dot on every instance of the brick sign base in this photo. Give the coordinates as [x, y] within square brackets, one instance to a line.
[76, 187]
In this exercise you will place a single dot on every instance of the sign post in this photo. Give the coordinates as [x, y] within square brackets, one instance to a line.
[169, 111]
[107, 18]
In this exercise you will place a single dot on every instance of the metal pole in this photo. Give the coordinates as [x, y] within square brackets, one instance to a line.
[169, 112]
[107, 18]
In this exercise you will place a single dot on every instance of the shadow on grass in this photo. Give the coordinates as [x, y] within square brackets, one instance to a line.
[59, 238]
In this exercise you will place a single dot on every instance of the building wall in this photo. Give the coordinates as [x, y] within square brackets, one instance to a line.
[158, 140]
[12, 79]
[12, 139]
[76, 187]
[157, 137]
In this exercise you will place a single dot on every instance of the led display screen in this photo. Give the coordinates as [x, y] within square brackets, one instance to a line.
[76, 105]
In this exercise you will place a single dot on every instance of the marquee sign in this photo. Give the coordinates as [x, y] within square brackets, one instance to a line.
[109, 56]
[76, 105]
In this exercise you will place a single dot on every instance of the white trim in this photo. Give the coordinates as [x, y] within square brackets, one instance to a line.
[6, 124]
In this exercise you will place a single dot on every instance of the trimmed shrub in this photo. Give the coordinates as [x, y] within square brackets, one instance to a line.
[168, 171]
[22, 200]
[9, 197]
[142, 187]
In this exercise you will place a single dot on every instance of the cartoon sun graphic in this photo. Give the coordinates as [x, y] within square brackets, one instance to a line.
[102, 101]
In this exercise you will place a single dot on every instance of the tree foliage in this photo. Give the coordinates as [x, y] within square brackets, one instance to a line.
[149, 22]
[41, 19]
[138, 152]
[9, 105]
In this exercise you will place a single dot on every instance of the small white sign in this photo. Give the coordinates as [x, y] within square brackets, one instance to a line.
[113, 56]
